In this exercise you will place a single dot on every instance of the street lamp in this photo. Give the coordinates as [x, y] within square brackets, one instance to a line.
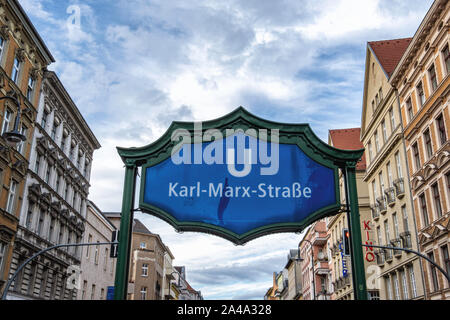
[14, 137]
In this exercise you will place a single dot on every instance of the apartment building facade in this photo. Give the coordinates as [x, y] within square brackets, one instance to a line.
[387, 175]
[97, 266]
[341, 265]
[55, 196]
[316, 274]
[23, 59]
[421, 80]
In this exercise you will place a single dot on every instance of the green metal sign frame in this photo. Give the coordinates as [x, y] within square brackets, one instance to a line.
[296, 134]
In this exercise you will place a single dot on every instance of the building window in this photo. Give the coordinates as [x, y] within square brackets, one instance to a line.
[396, 286]
[63, 142]
[21, 145]
[432, 75]
[380, 92]
[93, 292]
[377, 142]
[392, 118]
[380, 177]
[445, 258]
[386, 232]
[15, 70]
[58, 178]
[369, 147]
[51, 229]
[434, 279]
[373, 106]
[53, 132]
[6, 120]
[96, 255]
[409, 109]
[44, 119]
[412, 279]
[40, 222]
[143, 293]
[389, 172]
[415, 150]
[423, 206]
[102, 294]
[2, 47]
[395, 220]
[428, 146]
[87, 247]
[30, 89]
[405, 219]
[47, 174]
[37, 163]
[2, 254]
[83, 292]
[11, 196]
[384, 131]
[441, 129]
[143, 245]
[29, 218]
[446, 56]
[404, 285]
[437, 200]
[389, 288]
[105, 259]
[144, 270]
[399, 165]
[420, 94]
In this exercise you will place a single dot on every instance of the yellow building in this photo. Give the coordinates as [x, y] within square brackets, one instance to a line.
[400, 273]
[340, 265]
[421, 80]
[23, 57]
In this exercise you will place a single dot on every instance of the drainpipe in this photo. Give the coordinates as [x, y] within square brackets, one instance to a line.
[410, 192]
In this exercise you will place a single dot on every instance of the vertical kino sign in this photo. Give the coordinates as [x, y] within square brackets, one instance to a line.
[239, 177]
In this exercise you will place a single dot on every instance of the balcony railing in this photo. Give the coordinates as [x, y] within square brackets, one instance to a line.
[399, 188]
[375, 211]
[380, 257]
[406, 239]
[388, 254]
[382, 204]
[397, 243]
[390, 196]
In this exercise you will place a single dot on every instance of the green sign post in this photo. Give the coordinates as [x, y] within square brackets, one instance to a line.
[231, 178]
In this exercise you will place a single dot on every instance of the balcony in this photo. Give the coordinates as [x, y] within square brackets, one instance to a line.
[380, 257]
[397, 243]
[382, 204]
[375, 208]
[390, 196]
[399, 188]
[388, 254]
[406, 239]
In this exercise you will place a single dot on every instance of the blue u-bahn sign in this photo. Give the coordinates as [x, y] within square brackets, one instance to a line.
[239, 176]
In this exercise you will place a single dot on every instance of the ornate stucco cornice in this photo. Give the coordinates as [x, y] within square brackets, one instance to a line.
[419, 40]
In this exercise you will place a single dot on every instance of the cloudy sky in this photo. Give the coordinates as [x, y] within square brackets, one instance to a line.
[133, 66]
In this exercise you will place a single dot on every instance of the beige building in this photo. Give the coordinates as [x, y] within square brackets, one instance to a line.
[421, 80]
[97, 267]
[146, 264]
[294, 275]
[23, 59]
[340, 265]
[393, 219]
[316, 274]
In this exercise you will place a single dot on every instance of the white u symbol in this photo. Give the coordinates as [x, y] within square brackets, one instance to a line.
[247, 163]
